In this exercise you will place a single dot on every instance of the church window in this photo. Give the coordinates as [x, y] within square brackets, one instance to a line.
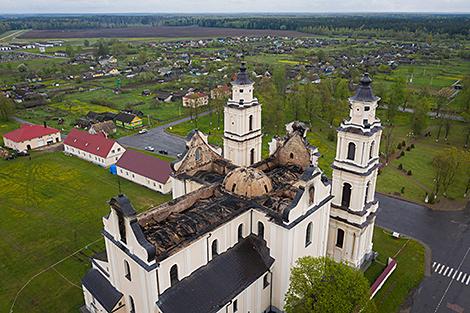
[241, 90]
[308, 234]
[366, 108]
[122, 227]
[346, 197]
[250, 122]
[174, 275]
[291, 155]
[240, 232]
[131, 304]
[252, 156]
[311, 195]
[215, 248]
[266, 188]
[265, 281]
[367, 193]
[197, 154]
[127, 270]
[235, 306]
[340, 238]
[233, 187]
[351, 151]
[260, 230]
[371, 153]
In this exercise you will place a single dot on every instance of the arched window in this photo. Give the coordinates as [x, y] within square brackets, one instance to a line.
[240, 232]
[197, 154]
[351, 151]
[131, 304]
[261, 230]
[252, 156]
[233, 187]
[367, 193]
[174, 275]
[127, 270]
[340, 238]
[308, 234]
[215, 248]
[250, 122]
[346, 198]
[291, 155]
[371, 153]
[311, 195]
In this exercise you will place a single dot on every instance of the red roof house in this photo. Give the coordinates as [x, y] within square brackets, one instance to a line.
[145, 170]
[30, 136]
[95, 148]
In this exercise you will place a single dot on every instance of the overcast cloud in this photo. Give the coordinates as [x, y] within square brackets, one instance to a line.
[231, 6]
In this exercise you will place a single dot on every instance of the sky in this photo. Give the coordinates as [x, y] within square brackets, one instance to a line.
[231, 6]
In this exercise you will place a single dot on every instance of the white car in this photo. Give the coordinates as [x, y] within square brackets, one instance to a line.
[143, 131]
[150, 148]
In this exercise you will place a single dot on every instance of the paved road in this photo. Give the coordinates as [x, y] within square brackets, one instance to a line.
[159, 139]
[447, 289]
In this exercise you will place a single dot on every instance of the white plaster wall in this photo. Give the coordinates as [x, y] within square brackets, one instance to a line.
[109, 160]
[144, 181]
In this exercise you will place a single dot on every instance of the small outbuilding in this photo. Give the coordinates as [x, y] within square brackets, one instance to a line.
[30, 136]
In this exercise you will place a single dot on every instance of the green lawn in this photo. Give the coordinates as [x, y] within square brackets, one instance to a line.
[52, 206]
[406, 277]
[6, 127]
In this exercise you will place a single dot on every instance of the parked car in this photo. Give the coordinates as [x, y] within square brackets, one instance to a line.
[163, 152]
[143, 131]
[150, 148]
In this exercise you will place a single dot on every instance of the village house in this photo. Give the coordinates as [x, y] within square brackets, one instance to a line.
[145, 170]
[106, 127]
[220, 92]
[93, 148]
[195, 99]
[129, 121]
[30, 136]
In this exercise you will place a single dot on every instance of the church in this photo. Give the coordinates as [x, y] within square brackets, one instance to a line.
[237, 222]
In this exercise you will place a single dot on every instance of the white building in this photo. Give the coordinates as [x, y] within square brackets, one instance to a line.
[93, 148]
[228, 240]
[30, 136]
[145, 170]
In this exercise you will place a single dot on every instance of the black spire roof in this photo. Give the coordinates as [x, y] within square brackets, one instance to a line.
[364, 91]
[242, 76]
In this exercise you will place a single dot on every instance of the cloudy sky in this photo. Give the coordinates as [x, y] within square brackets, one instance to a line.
[231, 6]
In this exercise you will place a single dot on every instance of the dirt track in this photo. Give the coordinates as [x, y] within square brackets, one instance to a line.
[161, 31]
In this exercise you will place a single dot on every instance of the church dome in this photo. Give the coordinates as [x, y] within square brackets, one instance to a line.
[248, 182]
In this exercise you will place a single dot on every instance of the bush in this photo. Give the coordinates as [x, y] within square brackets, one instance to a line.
[402, 153]
[409, 173]
[412, 146]
[400, 166]
[402, 190]
[331, 136]
[399, 146]
[403, 143]
[408, 148]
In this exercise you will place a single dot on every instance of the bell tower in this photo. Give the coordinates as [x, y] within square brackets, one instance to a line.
[242, 122]
[353, 208]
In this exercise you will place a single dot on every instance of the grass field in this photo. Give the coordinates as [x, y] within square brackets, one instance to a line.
[409, 255]
[51, 207]
[6, 127]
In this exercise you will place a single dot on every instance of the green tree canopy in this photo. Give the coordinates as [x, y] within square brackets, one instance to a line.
[6, 108]
[321, 285]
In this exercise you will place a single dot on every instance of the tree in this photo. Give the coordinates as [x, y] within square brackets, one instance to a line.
[446, 165]
[142, 57]
[86, 43]
[321, 285]
[419, 118]
[6, 108]
[103, 49]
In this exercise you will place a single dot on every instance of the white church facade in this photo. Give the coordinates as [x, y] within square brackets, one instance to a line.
[238, 223]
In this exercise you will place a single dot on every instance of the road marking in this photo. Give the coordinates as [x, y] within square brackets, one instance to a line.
[463, 278]
[451, 281]
[452, 273]
[433, 264]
